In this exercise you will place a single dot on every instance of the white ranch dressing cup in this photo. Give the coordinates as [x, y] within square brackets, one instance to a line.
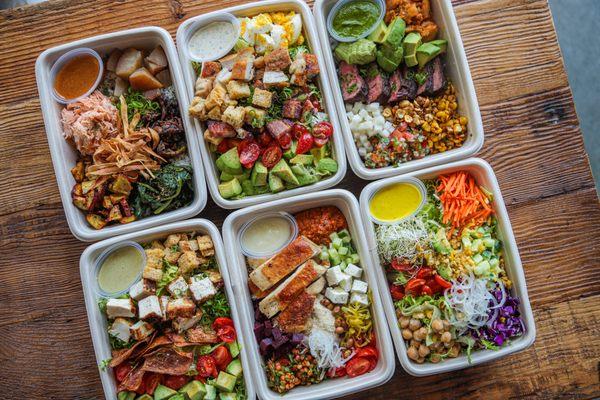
[203, 24]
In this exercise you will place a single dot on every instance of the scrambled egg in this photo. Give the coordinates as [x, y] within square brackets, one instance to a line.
[269, 31]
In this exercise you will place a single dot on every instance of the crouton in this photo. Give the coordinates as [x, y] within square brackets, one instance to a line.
[172, 255]
[198, 108]
[212, 139]
[312, 65]
[255, 117]
[243, 70]
[154, 258]
[203, 87]
[262, 98]
[216, 96]
[215, 114]
[278, 60]
[153, 274]
[188, 245]
[234, 116]
[188, 261]
[157, 245]
[238, 90]
[172, 240]
[206, 246]
[214, 276]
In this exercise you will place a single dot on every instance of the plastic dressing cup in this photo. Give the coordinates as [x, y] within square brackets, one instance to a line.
[104, 256]
[205, 22]
[63, 60]
[417, 183]
[340, 4]
[252, 253]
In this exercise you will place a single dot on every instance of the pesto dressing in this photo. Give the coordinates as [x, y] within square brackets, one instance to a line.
[355, 18]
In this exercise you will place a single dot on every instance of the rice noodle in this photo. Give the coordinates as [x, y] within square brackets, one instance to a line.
[404, 240]
[325, 349]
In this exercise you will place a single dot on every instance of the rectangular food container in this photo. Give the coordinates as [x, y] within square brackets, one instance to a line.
[310, 33]
[458, 71]
[64, 156]
[348, 205]
[484, 176]
[97, 320]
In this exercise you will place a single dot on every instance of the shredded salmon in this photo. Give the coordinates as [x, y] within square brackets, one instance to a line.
[464, 202]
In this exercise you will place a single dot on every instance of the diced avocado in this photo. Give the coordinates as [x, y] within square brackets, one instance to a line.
[411, 60]
[318, 153]
[225, 176]
[385, 63]
[178, 396]
[305, 159]
[243, 177]
[234, 349]
[395, 54]
[227, 396]
[211, 392]
[291, 152]
[308, 179]
[230, 162]
[299, 170]
[327, 165]
[240, 44]
[230, 189]
[441, 43]
[125, 395]
[162, 392]
[427, 52]
[395, 33]
[275, 183]
[145, 397]
[194, 390]
[234, 368]
[225, 382]
[379, 33]
[248, 188]
[483, 268]
[262, 189]
[360, 52]
[411, 43]
[259, 174]
[282, 170]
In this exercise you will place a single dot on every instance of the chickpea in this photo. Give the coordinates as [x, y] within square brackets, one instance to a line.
[435, 358]
[446, 324]
[407, 334]
[414, 324]
[446, 337]
[350, 342]
[419, 315]
[404, 321]
[339, 330]
[336, 309]
[420, 360]
[421, 333]
[454, 351]
[437, 325]
[423, 350]
[412, 353]
[415, 343]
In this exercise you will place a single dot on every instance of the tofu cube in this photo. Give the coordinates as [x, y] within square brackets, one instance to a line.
[153, 274]
[120, 329]
[178, 288]
[205, 245]
[188, 261]
[154, 258]
[359, 286]
[172, 240]
[336, 295]
[120, 308]
[181, 307]
[164, 300]
[149, 307]
[141, 330]
[143, 288]
[353, 271]
[359, 298]
[335, 275]
[346, 283]
[202, 289]
[183, 324]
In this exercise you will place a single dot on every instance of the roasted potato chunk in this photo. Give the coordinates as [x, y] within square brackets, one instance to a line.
[96, 221]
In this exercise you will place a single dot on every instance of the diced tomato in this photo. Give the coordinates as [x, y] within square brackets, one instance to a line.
[305, 143]
[176, 382]
[401, 266]
[221, 321]
[207, 367]
[271, 156]
[222, 357]
[414, 286]
[285, 141]
[424, 273]
[152, 380]
[358, 366]
[367, 352]
[299, 130]
[142, 388]
[397, 292]
[122, 370]
[226, 334]
[249, 152]
[223, 146]
[323, 130]
[320, 142]
[435, 287]
[337, 373]
[264, 139]
[442, 282]
[426, 290]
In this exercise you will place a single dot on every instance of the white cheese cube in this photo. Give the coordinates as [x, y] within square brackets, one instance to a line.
[178, 287]
[120, 308]
[141, 330]
[149, 307]
[359, 298]
[120, 329]
[359, 286]
[346, 283]
[353, 271]
[202, 289]
[336, 295]
[335, 275]
[143, 288]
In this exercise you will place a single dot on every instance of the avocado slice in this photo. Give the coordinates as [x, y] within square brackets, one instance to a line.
[194, 390]
[230, 189]
[230, 162]
[234, 367]
[378, 35]
[307, 179]
[225, 382]
[227, 396]
[427, 52]
[394, 54]
[259, 175]
[248, 188]
[275, 183]
[283, 171]
[234, 349]
[304, 159]
[162, 392]
[441, 43]
[395, 33]
[299, 170]
[178, 396]
[385, 63]
[225, 176]
[145, 397]
[410, 44]
[211, 392]
[327, 165]
[318, 153]
[125, 395]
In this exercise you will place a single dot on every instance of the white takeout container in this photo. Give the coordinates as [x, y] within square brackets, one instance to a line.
[457, 69]
[64, 155]
[310, 33]
[97, 320]
[329, 389]
[484, 176]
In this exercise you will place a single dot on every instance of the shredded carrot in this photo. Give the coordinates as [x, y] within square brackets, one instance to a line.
[463, 201]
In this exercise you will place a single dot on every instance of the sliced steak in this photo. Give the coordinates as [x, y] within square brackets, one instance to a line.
[354, 88]
[436, 80]
[220, 129]
[278, 127]
[402, 88]
[292, 109]
[379, 87]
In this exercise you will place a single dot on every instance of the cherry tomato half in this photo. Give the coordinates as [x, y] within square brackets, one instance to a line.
[320, 142]
[285, 141]
[222, 321]
[226, 334]
[299, 130]
[264, 139]
[122, 370]
[442, 282]
[367, 352]
[305, 143]
[414, 285]
[401, 266]
[323, 130]
[397, 292]
[175, 382]
[222, 357]
[248, 151]
[358, 366]
[271, 156]
[426, 290]
[424, 273]
[207, 367]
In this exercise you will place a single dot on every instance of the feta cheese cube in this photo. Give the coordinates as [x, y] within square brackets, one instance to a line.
[336, 295]
[143, 288]
[335, 275]
[346, 283]
[182, 307]
[183, 324]
[120, 308]
[359, 286]
[353, 271]
[120, 329]
[141, 330]
[202, 289]
[149, 307]
[178, 287]
[359, 298]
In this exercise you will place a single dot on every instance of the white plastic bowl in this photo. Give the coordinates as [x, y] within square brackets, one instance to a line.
[484, 175]
[68, 56]
[64, 156]
[329, 389]
[458, 71]
[97, 320]
[310, 33]
[202, 23]
[339, 5]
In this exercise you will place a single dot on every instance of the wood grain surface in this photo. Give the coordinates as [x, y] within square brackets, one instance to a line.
[532, 141]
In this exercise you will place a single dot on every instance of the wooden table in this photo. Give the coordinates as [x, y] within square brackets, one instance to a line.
[532, 141]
